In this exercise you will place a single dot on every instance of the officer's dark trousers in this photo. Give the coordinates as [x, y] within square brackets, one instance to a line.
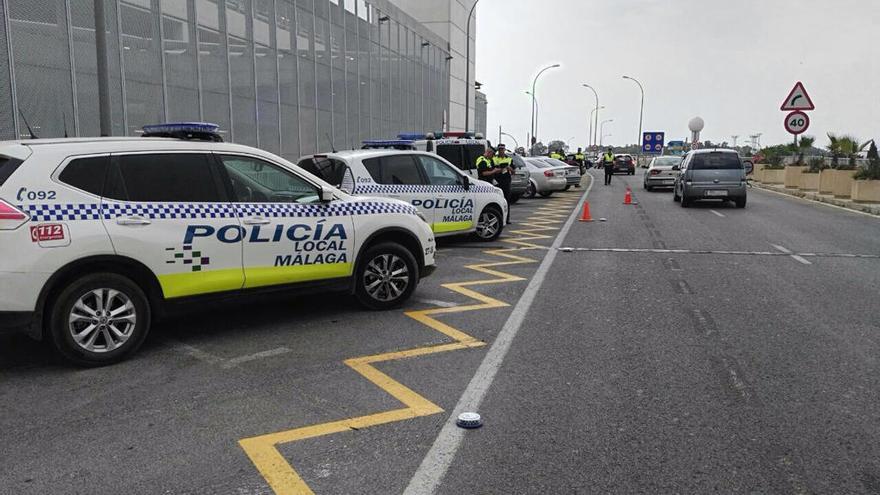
[503, 181]
[609, 171]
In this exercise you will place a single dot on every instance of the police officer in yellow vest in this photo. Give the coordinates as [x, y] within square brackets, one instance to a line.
[608, 163]
[579, 158]
[497, 167]
[555, 154]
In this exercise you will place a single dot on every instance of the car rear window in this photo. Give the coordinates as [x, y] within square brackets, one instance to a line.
[667, 161]
[716, 161]
[7, 167]
[394, 169]
[86, 174]
[539, 163]
[330, 170]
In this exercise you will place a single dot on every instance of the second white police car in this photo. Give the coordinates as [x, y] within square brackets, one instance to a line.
[453, 202]
[99, 235]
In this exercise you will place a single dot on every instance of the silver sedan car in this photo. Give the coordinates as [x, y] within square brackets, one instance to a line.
[544, 179]
[572, 173]
[660, 173]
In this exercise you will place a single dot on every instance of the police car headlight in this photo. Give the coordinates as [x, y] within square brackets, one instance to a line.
[422, 216]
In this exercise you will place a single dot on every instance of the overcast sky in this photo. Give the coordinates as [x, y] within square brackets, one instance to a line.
[731, 62]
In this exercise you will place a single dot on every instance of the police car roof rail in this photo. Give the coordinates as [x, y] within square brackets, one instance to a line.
[199, 131]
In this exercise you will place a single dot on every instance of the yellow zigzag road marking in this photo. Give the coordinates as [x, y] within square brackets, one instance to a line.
[263, 451]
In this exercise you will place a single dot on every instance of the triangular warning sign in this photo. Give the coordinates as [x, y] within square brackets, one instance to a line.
[798, 99]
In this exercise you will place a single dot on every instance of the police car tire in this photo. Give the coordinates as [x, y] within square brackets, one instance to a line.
[494, 210]
[372, 253]
[59, 334]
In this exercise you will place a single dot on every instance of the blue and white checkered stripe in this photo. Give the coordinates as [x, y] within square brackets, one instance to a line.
[159, 211]
[419, 189]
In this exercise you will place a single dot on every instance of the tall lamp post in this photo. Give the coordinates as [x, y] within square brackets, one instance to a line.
[534, 83]
[592, 138]
[535, 112]
[641, 108]
[602, 131]
[593, 131]
[515, 142]
[467, 71]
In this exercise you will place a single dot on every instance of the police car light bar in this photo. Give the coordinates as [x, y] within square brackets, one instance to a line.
[388, 143]
[184, 130]
[413, 136]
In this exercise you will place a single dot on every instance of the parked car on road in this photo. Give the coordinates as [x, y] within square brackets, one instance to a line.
[624, 163]
[100, 236]
[572, 172]
[452, 201]
[544, 178]
[660, 173]
[519, 182]
[710, 174]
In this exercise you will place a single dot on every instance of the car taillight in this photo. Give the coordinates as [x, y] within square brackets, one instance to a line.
[10, 216]
[548, 173]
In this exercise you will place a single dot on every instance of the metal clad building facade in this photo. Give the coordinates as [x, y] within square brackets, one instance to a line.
[287, 76]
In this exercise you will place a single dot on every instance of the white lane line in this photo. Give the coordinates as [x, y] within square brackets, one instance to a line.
[195, 352]
[230, 363]
[435, 464]
[722, 215]
[436, 302]
[781, 249]
[799, 259]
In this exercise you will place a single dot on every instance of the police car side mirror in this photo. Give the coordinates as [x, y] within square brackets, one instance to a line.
[326, 194]
[466, 182]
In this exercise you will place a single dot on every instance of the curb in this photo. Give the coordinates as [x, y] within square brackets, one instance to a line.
[815, 197]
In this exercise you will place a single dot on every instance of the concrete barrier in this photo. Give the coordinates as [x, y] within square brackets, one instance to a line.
[792, 176]
[841, 182]
[866, 191]
[774, 176]
[809, 181]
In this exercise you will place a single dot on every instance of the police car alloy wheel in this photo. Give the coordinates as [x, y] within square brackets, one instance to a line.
[489, 225]
[387, 276]
[99, 319]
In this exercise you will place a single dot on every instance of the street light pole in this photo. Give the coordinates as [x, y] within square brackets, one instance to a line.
[535, 112]
[515, 142]
[602, 131]
[641, 108]
[467, 71]
[593, 131]
[534, 83]
[591, 137]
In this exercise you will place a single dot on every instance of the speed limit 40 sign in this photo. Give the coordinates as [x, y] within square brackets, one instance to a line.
[797, 122]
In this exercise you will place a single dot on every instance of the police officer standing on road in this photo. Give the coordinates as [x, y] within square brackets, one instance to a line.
[579, 158]
[495, 167]
[504, 164]
[555, 154]
[608, 163]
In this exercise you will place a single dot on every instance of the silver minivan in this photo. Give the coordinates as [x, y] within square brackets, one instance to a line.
[710, 174]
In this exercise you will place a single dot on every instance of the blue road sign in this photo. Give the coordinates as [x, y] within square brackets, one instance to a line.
[652, 141]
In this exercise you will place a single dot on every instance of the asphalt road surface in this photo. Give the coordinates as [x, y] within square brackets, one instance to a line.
[665, 350]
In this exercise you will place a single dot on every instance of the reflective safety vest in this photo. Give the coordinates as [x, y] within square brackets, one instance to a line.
[502, 161]
[556, 155]
[579, 156]
[484, 163]
[608, 158]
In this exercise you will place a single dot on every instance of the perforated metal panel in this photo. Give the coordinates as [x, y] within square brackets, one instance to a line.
[7, 114]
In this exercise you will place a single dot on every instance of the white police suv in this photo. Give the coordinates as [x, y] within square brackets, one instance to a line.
[98, 235]
[451, 201]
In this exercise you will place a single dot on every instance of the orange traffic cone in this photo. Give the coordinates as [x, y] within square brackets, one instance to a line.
[585, 216]
[627, 198]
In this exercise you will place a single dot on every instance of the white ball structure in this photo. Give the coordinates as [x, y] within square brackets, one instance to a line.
[696, 124]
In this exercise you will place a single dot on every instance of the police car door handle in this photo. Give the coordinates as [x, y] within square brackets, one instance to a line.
[256, 221]
[135, 220]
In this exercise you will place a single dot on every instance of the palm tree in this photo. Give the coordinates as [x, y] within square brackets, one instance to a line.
[804, 144]
[845, 146]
